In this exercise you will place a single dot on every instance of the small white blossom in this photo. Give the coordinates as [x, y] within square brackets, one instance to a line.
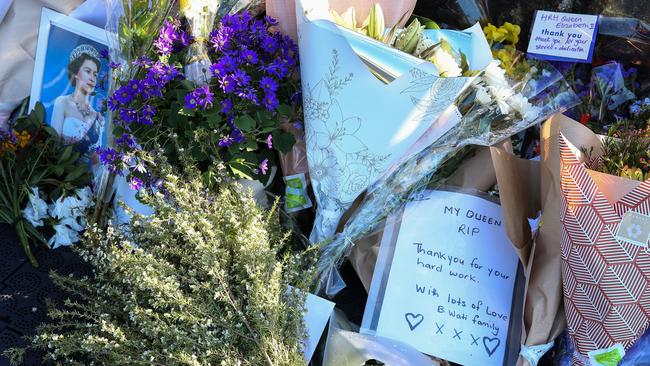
[36, 209]
[445, 63]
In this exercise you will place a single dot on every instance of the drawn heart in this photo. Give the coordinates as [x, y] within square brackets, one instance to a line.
[413, 320]
[491, 345]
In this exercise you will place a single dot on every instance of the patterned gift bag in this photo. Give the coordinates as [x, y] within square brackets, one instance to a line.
[605, 258]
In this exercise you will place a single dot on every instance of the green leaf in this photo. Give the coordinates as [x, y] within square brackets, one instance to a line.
[283, 141]
[239, 169]
[187, 84]
[50, 131]
[214, 120]
[65, 155]
[57, 170]
[285, 109]
[250, 145]
[78, 171]
[245, 123]
[38, 113]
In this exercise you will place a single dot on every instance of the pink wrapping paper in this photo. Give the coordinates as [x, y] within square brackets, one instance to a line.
[606, 279]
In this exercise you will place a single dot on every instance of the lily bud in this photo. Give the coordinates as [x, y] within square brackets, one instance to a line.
[375, 21]
[407, 41]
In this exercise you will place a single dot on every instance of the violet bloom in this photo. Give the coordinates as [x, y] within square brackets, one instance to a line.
[226, 106]
[269, 141]
[114, 65]
[264, 166]
[226, 141]
[190, 101]
[135, 183]
[270, 101]
[204, 96]
[268, 84]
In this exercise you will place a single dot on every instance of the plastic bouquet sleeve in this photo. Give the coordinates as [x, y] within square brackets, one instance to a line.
[351, 138]
[605, 259]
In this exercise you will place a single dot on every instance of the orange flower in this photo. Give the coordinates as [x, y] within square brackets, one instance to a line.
[23, 138]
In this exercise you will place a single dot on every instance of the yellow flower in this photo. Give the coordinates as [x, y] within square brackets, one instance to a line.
[494, 34]
[512, 32]
[23, 138]
[633, 173]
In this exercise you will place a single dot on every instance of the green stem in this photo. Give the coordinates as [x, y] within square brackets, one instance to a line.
[22, 235]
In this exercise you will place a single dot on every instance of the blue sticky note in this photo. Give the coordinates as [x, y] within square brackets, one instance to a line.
[563, 36]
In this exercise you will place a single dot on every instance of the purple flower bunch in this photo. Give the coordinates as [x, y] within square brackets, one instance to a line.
[251, 63]
[170, 39]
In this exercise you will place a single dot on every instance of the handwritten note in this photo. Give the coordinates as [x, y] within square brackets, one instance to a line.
[563, 36]
[444, 280]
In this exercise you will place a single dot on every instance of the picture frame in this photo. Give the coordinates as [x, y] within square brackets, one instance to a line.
[72, 80]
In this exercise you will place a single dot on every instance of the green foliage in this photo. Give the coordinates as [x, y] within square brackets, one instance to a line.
[207, 284]
[626, 152]
[33, 155]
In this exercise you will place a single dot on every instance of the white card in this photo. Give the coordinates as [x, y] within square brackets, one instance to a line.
[563, 36]
[317, 314]
[444, 280]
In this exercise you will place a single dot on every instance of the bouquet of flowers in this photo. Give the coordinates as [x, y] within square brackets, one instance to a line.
[232, 118]
[37, 167]
[492, 109]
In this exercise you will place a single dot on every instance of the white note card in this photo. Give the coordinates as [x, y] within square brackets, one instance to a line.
[563, 36]
[445, 278]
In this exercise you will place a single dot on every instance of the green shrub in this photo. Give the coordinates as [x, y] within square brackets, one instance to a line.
[206, 284]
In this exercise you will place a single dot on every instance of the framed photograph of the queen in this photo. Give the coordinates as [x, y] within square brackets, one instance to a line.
[71, 79]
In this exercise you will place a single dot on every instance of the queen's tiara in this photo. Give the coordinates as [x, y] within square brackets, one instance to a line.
[84, 49]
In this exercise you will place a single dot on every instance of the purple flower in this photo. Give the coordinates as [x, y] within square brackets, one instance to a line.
[249, 56]
[218, 69]
[126, 140]
[270, 101]
[135, 86]
[190, 101]
[226, 141]
[128, 115]
[268, 84]
[264, 166]
[135, 183]
[226, 106]
[269, 44]
[168, 32]
[270, 21]
[227, 84]
[204, 96]
[114, 65]
[148, 110]
[248, 94]
[238, 136]
[110, 158]
[123, 95]
[241, 77]
[186, 38]
[113, 103]
[269, 141]
[142, 61]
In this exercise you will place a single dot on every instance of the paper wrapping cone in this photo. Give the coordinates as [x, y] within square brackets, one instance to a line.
[605, 259]
[519, 186]
[352, 139]
[285, 11]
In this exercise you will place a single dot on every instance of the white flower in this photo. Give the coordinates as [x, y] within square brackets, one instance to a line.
[519, 103]
[445, 63]
[36, 209]
[482, 95]
[85, 196]
[495, 76]
[63, 235]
